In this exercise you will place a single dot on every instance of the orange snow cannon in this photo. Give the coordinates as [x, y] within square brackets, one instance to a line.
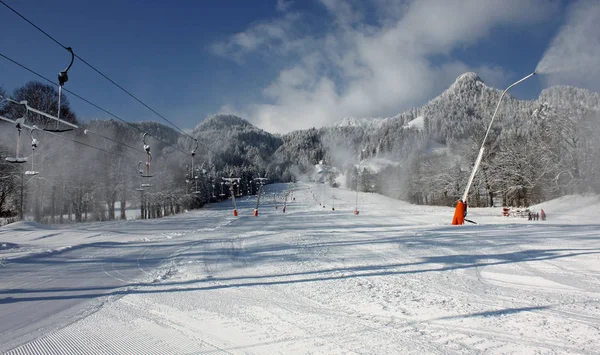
[459, 213]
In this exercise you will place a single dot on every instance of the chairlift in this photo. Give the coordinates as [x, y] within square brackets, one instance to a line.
[194, 152]
[63, 77]
[142, 184]
[194, 174]
[42, 113]
[148, 158]
[141, 173]
[34, 144]
[196, 177]
[19, 122]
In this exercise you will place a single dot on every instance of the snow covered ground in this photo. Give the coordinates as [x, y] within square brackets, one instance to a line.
[396, 279]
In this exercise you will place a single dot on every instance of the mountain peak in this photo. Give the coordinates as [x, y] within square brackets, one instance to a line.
[468, 82]
[468, 77]
[221, 121]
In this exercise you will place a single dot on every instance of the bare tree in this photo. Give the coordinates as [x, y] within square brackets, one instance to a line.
[43, 97]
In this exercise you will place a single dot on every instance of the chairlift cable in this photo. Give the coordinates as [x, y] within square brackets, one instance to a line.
[34, 144]
[91, 103]
[85, 131]
[58, 135]
[32, 24]
[79, 142]
[39, 112]
[96, 70]
[122, 120]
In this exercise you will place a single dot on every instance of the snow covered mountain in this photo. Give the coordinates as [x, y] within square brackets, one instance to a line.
[233, 145]
[359, 122]
[537, 149]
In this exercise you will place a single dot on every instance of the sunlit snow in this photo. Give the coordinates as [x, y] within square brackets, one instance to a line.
[395, 279]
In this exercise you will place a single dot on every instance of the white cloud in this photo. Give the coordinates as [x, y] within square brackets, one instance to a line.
[372, 68]
[272, 36]
[284, 5]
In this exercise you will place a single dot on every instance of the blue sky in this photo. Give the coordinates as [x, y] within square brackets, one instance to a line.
[281, 64]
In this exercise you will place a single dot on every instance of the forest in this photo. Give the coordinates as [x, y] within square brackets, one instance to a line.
[537, 150]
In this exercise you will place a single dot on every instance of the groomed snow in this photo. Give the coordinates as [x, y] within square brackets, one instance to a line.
[396, 279]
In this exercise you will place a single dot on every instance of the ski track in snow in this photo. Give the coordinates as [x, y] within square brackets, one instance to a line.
[395, 279]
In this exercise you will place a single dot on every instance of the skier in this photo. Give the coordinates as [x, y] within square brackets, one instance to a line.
[543, 215]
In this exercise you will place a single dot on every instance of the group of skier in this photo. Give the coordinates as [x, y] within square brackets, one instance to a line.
[536, 216]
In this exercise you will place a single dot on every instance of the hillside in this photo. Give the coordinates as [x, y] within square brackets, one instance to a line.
[537, 150]
[230, 143]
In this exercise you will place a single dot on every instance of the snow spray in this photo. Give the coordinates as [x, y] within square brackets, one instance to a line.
[573, 54]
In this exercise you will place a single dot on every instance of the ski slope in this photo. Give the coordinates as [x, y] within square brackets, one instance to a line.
[396, 279]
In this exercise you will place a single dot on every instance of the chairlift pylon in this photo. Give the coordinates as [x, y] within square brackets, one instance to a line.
[19, 122]
[63, 77]
[34, 144]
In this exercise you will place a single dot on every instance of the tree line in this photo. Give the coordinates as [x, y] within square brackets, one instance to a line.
[537, 150]
[79, 183]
